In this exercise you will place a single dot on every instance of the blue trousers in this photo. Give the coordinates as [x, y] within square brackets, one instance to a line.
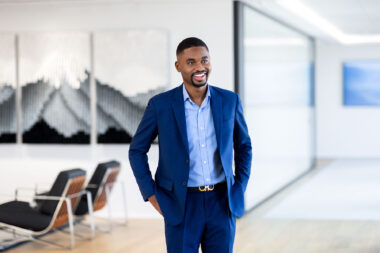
[208, 223]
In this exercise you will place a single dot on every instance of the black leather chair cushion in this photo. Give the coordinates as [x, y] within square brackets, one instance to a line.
[48, 206]
[96, 179]
[20, 214]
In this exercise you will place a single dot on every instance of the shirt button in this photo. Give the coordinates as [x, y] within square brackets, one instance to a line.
[201, 128]
[203, 145]
[184, 183]
[204, 162]
[207, 179]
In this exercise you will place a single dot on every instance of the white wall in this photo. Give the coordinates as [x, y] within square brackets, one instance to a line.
[209, 20]
[343, 131]
[24, 165]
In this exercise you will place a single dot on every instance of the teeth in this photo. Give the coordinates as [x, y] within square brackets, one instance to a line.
[200, 75]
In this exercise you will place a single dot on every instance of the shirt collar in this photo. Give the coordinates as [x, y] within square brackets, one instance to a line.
[187, 97]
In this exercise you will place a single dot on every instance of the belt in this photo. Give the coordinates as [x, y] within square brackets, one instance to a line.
[208, 188]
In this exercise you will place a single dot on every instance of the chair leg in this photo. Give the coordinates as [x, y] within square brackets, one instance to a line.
[92, 224]
[51, 243]
[124, 202]
[71, 221]
[108, 201]
[62, 230]
[14, 239]
[91, 213]
[109, 211]
[109, 205]
[20, 237]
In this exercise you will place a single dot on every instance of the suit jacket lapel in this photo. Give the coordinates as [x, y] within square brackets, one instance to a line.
[217, 114]
[179, 113]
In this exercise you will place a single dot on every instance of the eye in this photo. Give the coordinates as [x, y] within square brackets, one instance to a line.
[190, 63]
[204, 61]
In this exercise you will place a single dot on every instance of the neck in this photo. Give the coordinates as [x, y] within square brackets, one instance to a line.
[197, 95]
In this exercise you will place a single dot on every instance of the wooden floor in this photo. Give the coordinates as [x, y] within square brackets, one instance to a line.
[254, 234]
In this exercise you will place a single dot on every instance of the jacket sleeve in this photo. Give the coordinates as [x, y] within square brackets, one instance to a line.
[242, 147]
[139, 147]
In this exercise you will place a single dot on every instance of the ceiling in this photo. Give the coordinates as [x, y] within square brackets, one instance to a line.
[352, 18]
[349, 17]
[100, 1]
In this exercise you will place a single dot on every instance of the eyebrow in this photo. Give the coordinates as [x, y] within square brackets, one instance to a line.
[192, 59]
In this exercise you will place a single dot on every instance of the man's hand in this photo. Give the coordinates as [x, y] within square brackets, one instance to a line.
[152, 199]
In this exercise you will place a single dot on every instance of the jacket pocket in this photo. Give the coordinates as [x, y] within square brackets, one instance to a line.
[165, 183]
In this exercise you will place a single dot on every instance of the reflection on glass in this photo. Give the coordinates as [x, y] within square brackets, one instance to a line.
[8, 123]
[278, 75]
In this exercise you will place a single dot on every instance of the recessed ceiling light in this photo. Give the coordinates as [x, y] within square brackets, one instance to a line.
[305, 12]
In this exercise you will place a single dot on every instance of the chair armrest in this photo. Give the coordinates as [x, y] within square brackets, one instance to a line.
[49, 197]
[67, 199]
[92, 186]
[44, 197]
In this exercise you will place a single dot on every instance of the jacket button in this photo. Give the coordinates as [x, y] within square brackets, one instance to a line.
[187, 160]
[184, 183]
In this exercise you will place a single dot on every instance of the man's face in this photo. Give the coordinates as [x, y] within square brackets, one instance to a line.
[194, 65]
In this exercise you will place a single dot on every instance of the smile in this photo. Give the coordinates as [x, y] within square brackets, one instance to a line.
[200, 76]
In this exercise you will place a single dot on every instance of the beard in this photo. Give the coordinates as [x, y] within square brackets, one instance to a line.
[199, 85]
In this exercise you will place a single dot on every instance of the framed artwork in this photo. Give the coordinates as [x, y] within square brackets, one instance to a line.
[130, 67]
[54, 71]
[361, 83]
[54, 74]
[8, 112]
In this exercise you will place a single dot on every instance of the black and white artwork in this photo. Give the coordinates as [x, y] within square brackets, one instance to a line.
[8, 112]
[130, 67]
[54, 75]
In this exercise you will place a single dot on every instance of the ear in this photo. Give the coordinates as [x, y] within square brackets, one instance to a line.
[176, 64]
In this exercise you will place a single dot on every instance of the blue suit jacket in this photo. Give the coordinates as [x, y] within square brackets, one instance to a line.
[165, 117]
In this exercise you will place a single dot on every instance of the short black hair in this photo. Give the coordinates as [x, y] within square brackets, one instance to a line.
[190, 42]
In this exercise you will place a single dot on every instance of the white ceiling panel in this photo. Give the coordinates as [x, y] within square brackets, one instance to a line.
[351, 16]
[342, 21]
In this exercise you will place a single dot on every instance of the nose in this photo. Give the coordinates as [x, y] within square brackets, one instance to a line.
[199, 67]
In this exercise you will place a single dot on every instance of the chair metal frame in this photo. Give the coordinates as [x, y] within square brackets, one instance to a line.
[63, 214]
[103, 196]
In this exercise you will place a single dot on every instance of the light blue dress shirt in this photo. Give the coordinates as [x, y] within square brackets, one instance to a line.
[205, 165]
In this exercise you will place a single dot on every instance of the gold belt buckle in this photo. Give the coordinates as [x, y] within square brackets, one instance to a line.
[206, 188]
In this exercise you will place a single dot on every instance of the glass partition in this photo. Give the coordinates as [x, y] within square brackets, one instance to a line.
[274, 78]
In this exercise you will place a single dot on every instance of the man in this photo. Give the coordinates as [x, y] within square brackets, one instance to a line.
[198, 127]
